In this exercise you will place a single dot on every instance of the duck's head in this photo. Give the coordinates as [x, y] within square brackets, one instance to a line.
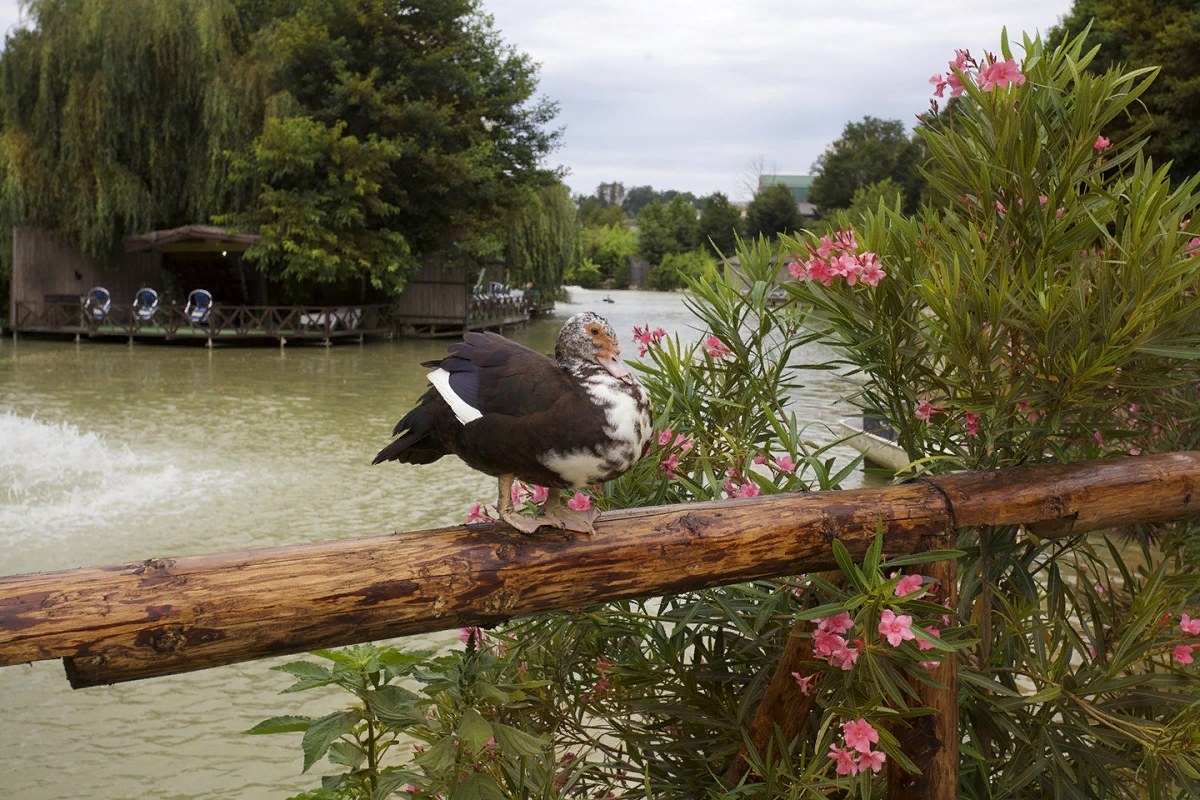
[590, 337]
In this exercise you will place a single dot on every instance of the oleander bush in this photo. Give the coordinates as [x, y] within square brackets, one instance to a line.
[1048, 311]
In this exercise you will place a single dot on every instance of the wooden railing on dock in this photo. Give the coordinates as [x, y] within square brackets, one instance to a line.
[171, 615]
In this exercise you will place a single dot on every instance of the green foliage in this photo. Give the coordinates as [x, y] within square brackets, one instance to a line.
[543, 243]
[117, 116]
[609, 250]
[773, 211]
[664, 229]
[320, 207]
[1158, 33]
[677, 268]
[868, 198]
[358, 136]
[720, 225]
[1048, 314]
[586, 274]
[867, 152]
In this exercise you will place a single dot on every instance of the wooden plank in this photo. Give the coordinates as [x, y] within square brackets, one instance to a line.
[164, 616]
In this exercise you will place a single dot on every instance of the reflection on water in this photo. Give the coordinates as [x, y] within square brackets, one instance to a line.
[112, 453]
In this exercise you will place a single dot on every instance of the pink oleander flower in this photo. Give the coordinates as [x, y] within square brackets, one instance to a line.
[939, 85]
[798, 271]
[1189, 626]
[826, 642]
[926, 410]
[749, 489]
[860, 735]
[872, 759]
[665, 436]
[907, 585]
[1183, 653]
[539, 495]
[895, 629]
[972, 424]
[844, 657]
[785, 464]
[669, 465]
[1102, 143]
[1000, 74]
[1099, 437]
[872, 273]
[961, 59]
[840, 623]
[955, 83]
[518, 492]
[715, 347]
[932, 631]
[465, 634]
[1000, 207]
[684, 443]
[477, 513]
[805, 683]
[580, 502]
[1192, 247]
[930, 664]
[761, 458]
[846, 764]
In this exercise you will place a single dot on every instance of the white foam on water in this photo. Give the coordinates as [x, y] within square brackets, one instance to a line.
[57, 482]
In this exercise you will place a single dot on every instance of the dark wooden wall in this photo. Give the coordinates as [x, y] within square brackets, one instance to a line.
[45, 265]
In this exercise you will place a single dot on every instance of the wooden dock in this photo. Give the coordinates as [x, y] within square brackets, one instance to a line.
[284, 324]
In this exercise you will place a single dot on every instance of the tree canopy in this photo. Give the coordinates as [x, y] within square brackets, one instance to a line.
[1149, 33]
[356, 135]
[773, 211]
[720, 225]
[867, 152]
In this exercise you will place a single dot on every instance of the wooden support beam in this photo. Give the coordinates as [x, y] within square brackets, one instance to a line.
[171, 615]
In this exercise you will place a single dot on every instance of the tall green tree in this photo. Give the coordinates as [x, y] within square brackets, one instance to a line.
[1149, 33]
[720, 225]
[867, 152]
[638, 198]
[773, 211]
[432, 78]
[664, 229]
[542, 241]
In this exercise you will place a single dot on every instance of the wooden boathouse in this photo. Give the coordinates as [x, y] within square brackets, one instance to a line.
[55, 290]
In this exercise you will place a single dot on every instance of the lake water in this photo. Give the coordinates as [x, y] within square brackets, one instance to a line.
[111, 453]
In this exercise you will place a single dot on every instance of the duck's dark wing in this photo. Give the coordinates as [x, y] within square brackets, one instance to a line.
[490, 374]
[495, 375]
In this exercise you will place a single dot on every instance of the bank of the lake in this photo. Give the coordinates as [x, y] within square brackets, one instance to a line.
[112, 453]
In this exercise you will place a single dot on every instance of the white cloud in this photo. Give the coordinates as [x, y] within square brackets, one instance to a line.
[681, 95]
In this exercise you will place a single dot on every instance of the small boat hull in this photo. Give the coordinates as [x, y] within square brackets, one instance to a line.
[875, 448]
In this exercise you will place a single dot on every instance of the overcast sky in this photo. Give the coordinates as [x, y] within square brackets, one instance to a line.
[684, 95]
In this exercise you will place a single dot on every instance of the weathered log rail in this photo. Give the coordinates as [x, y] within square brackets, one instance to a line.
[171, 615]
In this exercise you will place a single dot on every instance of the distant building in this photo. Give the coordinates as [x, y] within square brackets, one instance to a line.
[798, 185]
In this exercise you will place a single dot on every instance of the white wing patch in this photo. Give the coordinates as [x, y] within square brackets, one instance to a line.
[465, 412]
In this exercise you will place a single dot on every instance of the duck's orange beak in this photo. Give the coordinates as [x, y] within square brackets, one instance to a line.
[610, 359]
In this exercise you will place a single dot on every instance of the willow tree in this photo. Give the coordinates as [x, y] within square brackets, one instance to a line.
[118, 115]
[543, 240]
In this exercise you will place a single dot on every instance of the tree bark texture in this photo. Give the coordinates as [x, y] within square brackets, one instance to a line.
[169, 615]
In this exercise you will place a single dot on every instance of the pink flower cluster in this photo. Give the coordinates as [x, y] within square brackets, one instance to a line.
[580, 502]
[855, 754]
[829, 644]
[838, 258]
[994, 74]
[647, 338]
[679, 444]
[1183, 652]
[1193, 247]
[715, 347]
[737, 485]
[783, 463]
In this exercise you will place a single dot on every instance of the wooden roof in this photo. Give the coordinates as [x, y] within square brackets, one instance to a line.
[190, 238]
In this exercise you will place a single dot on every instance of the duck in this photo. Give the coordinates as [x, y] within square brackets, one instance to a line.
[577, 419]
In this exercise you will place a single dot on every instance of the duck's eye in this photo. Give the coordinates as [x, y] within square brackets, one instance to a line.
[594, 331]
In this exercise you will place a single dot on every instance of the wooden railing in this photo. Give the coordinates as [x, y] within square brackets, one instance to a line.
[174, 321]
[169, 615]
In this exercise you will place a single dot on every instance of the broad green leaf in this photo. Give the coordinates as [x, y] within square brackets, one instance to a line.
[478, 786]
[286, 724]
[516, 742]
[325, 731]
[474, 730]
[346, 754]
[440, 756]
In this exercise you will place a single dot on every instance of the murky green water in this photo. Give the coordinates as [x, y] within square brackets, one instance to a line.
[112, 453]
